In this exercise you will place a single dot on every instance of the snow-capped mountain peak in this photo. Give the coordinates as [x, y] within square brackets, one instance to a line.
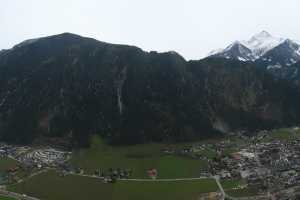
[262, 35]
[236, 50]
[261, 43]
[260, 47]
[280, 57]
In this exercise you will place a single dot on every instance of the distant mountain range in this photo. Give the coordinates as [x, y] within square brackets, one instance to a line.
[262, 46]
[277, 55]
[68, 85]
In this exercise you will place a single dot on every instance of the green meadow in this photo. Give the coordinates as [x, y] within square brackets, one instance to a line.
[138, 158]
[51, 186]
[6, 198]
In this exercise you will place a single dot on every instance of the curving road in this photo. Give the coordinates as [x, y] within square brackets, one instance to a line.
[16, 195]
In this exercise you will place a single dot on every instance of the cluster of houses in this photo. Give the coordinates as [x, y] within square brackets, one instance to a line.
[109, 176]
[11, 150]
[266, 166]
[44, 157]
[28, 160]
[114, 174]
[264, 163]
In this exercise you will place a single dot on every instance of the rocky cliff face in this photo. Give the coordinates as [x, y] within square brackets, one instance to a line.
[71, 85]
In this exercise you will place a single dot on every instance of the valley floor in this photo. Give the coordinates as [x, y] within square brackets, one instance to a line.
[235, 167]
[50, 186]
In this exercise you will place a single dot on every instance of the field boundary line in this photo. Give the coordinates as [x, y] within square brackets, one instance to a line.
[163, 180]
[144, 179]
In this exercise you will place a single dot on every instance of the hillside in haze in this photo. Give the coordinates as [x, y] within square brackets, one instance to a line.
[68, 85]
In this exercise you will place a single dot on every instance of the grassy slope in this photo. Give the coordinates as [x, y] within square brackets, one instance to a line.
[283, 134]
[6, 198]
[286, 134]
[6, 163]
[139, 158]
[49, 186]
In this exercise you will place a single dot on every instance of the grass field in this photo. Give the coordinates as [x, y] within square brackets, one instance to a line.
[138, 158]
[209, 153]
[285, 134]
[6, 163]
[228, 184]
[50, 186]
[247, 192]
[6, 198]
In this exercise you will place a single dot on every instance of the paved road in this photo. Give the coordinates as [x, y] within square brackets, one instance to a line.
[144, 179]
[21, 196]
[217, 179]
[224, 195]
[31, 175]
[163, 180]
[16, 195]
[85, 175]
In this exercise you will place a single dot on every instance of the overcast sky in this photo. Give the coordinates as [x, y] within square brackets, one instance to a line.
[191, 27]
